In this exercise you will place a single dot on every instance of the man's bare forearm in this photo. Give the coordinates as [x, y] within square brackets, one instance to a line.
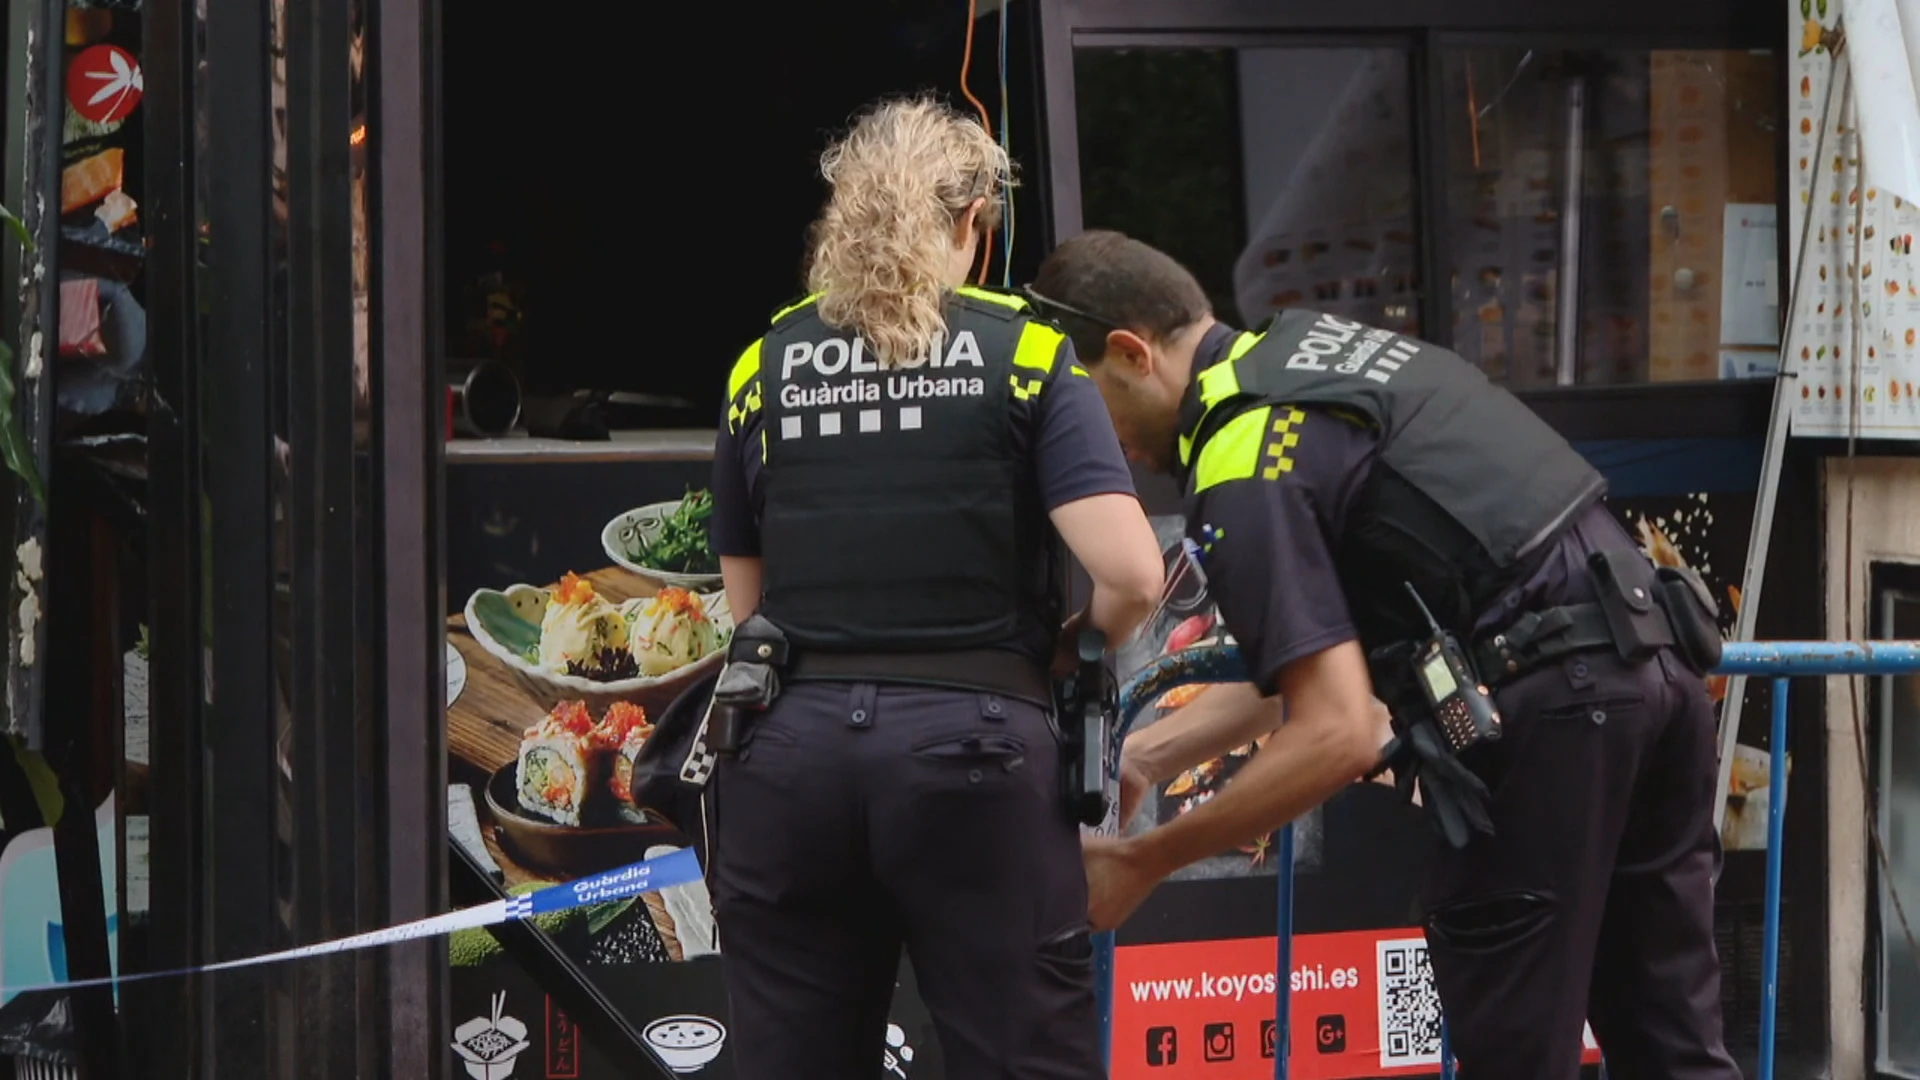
[1222, 719]
[1299, 768]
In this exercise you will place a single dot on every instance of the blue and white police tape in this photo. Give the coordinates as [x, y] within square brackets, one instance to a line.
[679, 868]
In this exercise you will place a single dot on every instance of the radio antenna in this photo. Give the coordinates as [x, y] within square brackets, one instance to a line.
[1422, 605]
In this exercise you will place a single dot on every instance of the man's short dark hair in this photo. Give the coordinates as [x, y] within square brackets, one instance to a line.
[1102, 280]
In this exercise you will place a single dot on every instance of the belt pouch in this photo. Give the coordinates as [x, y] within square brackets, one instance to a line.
[1628, 591]
[1693, 615]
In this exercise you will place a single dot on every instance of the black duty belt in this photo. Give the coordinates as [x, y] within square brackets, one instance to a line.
[994, 671]
[1542, 637]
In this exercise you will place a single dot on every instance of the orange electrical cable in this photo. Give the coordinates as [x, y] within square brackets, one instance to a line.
[986, 121]
[1473, 116]
[966, 67]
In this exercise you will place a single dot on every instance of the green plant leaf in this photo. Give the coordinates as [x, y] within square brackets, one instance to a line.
[1822, 7]
[19, 227]
[601, 916]
[13, 438]
[45, 785]
[1806, 9]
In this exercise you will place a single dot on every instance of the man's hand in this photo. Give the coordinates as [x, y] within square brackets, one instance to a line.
[1117, 880]
[1134, 785]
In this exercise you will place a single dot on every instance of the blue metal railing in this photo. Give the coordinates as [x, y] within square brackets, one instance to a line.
[1780, 660]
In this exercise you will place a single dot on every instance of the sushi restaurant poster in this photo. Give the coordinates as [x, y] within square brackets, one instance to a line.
[583, 603]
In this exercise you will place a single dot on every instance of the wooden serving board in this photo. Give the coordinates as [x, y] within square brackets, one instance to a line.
[486, 722]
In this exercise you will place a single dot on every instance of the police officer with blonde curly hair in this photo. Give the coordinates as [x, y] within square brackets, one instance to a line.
[901, 459]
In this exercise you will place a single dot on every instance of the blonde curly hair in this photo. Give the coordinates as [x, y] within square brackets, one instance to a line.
[901, 179]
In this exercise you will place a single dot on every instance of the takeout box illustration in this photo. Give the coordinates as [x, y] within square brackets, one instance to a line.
[489, 1045]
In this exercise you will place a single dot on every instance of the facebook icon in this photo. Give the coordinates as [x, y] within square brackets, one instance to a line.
[1163, 1046]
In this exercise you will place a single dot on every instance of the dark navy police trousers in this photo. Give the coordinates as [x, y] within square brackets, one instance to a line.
[1593, 900]
[860, 820]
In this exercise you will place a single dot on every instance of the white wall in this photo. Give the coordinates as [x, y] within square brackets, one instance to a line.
[1886, 528]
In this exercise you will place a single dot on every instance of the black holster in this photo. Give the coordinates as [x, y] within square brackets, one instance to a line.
[748, 685]
[1694, 616]
[1086, 703]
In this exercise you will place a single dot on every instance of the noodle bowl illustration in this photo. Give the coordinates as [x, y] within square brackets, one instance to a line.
[686, 1043]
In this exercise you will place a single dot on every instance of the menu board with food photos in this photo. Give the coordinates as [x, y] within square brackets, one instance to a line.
[1856, 332]
[103, 332]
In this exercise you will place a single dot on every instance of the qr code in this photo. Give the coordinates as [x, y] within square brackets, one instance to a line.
[1409, 1005]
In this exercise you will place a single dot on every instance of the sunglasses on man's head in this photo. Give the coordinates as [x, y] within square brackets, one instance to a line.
[1047, 302]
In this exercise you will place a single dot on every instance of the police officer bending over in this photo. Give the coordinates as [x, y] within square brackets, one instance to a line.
[900, 457]
[1377, 519]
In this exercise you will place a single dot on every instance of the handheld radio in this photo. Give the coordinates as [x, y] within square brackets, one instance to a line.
[1461, 705]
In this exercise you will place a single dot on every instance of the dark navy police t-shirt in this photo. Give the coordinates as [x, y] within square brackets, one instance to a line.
[1270, 567]
[1064, 432]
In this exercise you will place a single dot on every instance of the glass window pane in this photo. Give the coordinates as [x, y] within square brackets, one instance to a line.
[1645, 182]
[1282, 177]
[1899, 1020]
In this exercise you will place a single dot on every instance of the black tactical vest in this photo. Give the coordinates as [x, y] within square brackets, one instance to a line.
[1468, 486]
[896, 514]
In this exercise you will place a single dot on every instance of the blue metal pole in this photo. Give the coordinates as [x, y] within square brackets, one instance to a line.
[1776, 838]
[1103, 992]
[1447, 1064]
[1283, 971]
[1778, 658]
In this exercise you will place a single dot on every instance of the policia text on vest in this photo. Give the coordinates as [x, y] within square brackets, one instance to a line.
[831, 356]
[896, 516]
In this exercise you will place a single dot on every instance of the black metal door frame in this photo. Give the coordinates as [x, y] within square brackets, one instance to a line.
[299, 790]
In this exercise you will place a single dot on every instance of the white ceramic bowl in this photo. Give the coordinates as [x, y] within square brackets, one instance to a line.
[506, 622]
[686, 1043]
[644, 522]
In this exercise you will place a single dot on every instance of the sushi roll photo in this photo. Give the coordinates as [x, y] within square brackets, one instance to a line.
[562, 764]
[625, 730]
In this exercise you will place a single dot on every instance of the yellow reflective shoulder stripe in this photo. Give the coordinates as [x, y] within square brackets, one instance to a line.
[1002, 299]
[793, 307]
[1039, 344]
[745, 370]
[1222, 380]
[743, 388]
[1219, 383]
[1233, 453]
[1078, 370]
